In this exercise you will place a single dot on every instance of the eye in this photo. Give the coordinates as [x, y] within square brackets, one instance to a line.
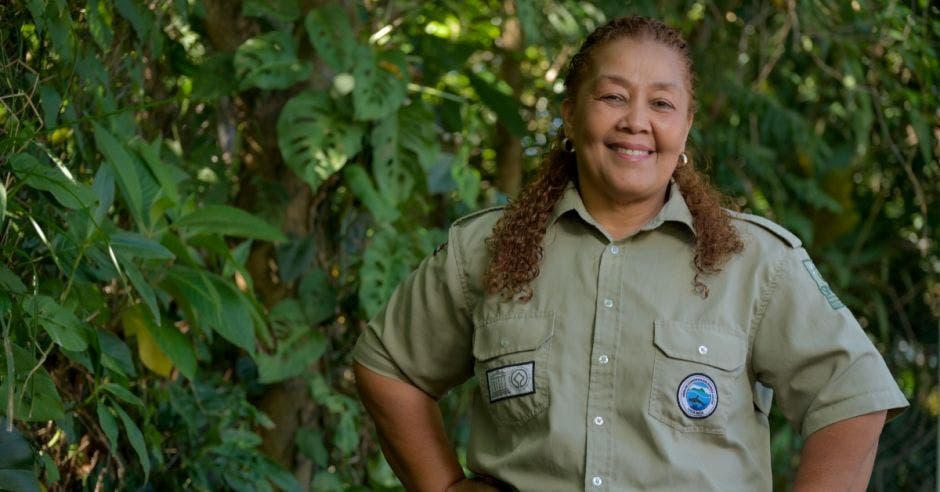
[612, 98]
[662, 104]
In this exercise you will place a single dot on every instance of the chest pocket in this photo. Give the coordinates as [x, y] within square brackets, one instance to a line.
[696, 375]
[511, 356]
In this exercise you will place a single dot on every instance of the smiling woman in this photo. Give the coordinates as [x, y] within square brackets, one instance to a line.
[602, 359]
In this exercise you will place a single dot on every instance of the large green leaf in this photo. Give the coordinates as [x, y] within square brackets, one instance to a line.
[10, 282]
[330, 33]
[213, 303]
[360, 184]
[298, 344]
[404, 147]
[314, 140]
[60, 323]
[317, 297]
[150, 153]
[136, 438]
[108, 425]
[16, 461]
[66, 191]
[269, 61]
[228, 221]
[381, 83]
[126, 171]
[115, 354]
[39, 400]
[139, 246]
[387, 261]
[171, 343]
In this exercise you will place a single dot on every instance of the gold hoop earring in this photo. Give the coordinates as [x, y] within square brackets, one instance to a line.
[683, 158]
[567, 146]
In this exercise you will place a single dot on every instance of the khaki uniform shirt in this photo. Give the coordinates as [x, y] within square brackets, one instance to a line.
[616, 375]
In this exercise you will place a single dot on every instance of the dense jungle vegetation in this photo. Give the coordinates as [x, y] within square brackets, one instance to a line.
[203, 201]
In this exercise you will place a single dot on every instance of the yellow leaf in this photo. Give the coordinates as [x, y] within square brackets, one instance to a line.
[153, 358]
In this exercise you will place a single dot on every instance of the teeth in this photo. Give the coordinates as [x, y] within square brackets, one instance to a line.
[622, 150]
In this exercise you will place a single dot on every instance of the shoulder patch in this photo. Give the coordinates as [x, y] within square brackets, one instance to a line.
[478, 213]
[771, 226]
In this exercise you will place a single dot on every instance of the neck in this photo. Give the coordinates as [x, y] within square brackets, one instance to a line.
[621, 219]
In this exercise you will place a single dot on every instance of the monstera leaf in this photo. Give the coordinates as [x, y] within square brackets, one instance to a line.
[381, 83]
[315, 142]
[330, 33]
[269, 61]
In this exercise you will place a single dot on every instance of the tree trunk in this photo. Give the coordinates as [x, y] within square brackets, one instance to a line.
[508, 145]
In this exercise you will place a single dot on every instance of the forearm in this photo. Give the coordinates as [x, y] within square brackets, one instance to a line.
[840, 456]
[411, 431]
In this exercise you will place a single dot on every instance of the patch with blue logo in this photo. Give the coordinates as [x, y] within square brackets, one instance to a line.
[827, 292]
[697, 396]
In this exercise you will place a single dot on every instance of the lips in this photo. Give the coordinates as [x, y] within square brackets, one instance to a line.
[631, 150]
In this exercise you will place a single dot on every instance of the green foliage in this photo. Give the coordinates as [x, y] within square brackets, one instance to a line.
[200, 207]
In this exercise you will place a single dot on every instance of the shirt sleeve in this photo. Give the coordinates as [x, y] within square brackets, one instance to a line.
[812, 352]
[423, 336]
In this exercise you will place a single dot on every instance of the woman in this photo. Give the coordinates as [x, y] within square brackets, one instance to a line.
[626, 332]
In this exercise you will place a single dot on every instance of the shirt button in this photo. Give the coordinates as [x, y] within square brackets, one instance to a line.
[599, 420]
[503, 342]
[597, 481]
[615, 250]
[603, 359]
[608, 303]
[702, 349]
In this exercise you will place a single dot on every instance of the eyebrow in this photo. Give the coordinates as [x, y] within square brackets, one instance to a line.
[662, 85]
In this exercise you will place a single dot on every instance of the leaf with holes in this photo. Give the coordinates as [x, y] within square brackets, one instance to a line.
[386, 262]
[298, 344]
[330, 33]
[314, 142]
[269, 61]
[361, 186]
[381, 83]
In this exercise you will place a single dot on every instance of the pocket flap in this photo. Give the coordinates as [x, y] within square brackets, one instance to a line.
[714, 345]
[515, 334]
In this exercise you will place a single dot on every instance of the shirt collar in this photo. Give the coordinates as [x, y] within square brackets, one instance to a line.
[674, 210]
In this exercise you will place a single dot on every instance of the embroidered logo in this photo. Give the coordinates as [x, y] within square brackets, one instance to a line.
[511, 381]
[697, 396]
[830, 296]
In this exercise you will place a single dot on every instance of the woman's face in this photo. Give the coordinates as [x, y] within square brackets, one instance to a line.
[628, 122]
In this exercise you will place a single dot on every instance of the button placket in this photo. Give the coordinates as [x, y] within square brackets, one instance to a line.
[601, 383]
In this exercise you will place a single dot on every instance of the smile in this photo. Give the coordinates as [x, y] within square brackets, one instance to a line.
[631, 152]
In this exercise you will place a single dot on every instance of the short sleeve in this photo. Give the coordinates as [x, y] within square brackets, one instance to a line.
[812, 352]
[423, 336]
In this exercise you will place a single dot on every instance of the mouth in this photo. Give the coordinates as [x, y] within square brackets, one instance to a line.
[631, 152]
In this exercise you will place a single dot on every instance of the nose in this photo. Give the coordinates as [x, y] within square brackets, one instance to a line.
[635, 117]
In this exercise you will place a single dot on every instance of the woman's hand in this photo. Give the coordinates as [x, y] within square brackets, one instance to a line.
[470, 485]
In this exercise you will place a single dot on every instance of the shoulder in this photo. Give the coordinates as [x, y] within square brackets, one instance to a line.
[754, 228]
[476, 226]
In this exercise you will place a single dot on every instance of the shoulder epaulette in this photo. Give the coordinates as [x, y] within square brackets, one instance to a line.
[777, 230]
[478, 213]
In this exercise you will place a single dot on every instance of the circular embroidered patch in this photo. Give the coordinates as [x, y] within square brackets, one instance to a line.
[697, 396]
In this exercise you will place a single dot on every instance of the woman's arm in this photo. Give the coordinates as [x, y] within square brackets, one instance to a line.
[411, 432]
[840, 456]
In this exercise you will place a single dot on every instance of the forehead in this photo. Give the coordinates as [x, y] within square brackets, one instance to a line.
[638, 61]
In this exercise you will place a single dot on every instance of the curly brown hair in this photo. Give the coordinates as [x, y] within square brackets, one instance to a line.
[515, 244]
